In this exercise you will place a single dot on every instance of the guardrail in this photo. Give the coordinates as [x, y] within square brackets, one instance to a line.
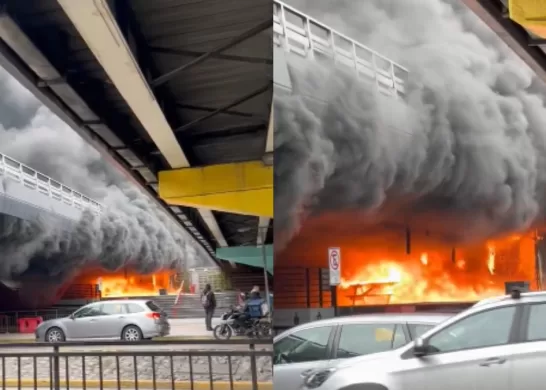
[30, 178]
[300, 34]
[173, 364]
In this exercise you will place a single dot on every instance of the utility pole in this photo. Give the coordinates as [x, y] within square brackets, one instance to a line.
[263, 233]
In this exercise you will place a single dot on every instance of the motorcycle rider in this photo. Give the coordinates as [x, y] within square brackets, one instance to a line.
[252, 308]
[255, 293]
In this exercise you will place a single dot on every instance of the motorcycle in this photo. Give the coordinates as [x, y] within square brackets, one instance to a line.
[232, 325]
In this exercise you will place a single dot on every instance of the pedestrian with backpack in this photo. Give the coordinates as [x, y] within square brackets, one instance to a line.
[208, 300]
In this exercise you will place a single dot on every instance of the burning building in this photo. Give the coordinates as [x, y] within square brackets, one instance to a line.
[128, 283]
[433, 196]
[389, 265]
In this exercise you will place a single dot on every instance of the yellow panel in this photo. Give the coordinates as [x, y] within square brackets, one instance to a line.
[531, 14]
[256, 202]
[243, 188]
[215, 178]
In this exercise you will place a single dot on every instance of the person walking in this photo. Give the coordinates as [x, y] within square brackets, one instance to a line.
[208, 300]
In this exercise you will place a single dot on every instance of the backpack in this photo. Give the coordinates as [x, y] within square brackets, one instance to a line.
[255, 308]
[205, 300]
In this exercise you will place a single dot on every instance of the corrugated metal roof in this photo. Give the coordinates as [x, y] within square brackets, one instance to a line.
[175, 28]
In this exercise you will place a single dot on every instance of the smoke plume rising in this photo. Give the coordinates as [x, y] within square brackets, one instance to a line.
[465, 153]
[131, 230]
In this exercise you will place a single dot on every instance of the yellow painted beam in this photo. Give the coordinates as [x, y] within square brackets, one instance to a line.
[531, 14]
[240, 188]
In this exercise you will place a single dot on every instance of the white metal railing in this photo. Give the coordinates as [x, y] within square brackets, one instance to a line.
[300, 34]
[14, 170]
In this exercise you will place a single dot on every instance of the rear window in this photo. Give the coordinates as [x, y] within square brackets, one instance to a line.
[133, 308]
[153, 306]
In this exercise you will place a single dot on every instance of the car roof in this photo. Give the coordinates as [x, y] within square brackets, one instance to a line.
[378, 318]
[526, 297]
[141, 301]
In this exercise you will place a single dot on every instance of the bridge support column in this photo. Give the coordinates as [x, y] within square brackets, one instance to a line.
[240, 188]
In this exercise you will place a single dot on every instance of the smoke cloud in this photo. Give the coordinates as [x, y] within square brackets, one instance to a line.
[132, 230]
[464, 154]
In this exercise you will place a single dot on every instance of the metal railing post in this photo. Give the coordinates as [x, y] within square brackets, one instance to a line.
[253, 367]
[56, 368]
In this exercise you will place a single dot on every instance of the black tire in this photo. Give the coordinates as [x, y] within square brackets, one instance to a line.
[264, 330]
[55, 335]
[222, 332]
[131, 333]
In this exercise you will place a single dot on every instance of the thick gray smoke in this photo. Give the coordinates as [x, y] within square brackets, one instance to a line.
[132, 230]
[466, 152]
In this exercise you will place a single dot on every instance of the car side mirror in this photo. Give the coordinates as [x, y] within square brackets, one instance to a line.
[281, 358]
[420, 347]
[71, 316]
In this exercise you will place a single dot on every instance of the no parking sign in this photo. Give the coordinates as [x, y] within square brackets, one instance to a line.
[334, 262]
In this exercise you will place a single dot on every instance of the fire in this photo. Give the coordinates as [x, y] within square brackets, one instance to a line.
[127, 283]
[136, 285]
[491, 258]
[435, 274]
[424, 259]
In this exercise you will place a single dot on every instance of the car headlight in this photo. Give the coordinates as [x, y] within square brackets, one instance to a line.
[316, 378]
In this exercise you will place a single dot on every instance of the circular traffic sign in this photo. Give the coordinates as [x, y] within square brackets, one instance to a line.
[334, 260]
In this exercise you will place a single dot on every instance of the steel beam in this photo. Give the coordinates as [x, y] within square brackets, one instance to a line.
[264, 25]
[211, 109]
[225, 132]
[537, 41]
[219, 56]
[220, 110]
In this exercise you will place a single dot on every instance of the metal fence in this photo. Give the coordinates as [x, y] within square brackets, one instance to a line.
[9, 320]
[176, 364]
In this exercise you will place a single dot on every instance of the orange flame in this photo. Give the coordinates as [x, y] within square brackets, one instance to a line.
[127, 283]
[136, 285]
[435, 275]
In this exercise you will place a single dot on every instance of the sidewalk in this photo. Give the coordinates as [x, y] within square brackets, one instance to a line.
[191, 327]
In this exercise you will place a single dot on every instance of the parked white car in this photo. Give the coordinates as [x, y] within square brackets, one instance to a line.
[302, 349]
[123, 319]
[498, 344]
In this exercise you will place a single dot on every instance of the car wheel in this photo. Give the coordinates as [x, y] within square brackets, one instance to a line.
[131, 333]
[55, 335]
